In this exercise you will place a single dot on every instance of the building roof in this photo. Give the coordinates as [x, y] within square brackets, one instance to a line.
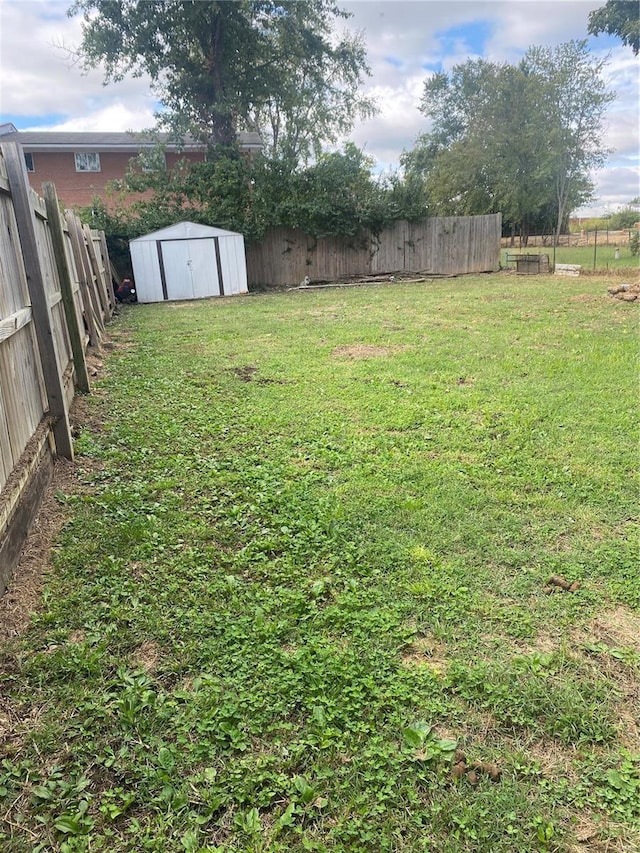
[94, 140]
[185, 231]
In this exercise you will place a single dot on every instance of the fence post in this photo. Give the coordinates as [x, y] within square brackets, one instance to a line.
[85, 285]
[66, 287]
[19, 188]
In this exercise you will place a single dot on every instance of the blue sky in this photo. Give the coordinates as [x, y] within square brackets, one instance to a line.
[407, 40]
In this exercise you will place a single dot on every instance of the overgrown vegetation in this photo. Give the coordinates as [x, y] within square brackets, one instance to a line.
[307, 563]
[337, 195]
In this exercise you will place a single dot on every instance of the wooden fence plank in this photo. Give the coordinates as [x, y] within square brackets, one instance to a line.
[108, 269]
[98, 274]
[85, 282]
[443, 246]
[78, 233]
[14, 323]
[66, 286]
[14, 294]
[51, 370]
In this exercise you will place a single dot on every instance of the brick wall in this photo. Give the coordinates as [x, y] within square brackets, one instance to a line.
[80, 188]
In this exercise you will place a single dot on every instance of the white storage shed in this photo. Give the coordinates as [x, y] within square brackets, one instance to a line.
[188, 261]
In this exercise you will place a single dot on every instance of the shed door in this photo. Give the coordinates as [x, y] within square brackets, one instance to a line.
[190, 268]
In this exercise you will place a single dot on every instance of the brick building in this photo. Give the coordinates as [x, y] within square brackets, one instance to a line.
[82, 164]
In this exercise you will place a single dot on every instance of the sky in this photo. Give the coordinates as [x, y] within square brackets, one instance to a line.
[42, 88]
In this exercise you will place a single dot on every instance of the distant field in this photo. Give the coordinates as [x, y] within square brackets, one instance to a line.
[604, 256]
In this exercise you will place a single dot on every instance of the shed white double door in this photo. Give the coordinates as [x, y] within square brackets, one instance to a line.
[190, 268]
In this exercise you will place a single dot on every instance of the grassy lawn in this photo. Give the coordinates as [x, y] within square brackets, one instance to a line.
[604, 257]
[301, 601]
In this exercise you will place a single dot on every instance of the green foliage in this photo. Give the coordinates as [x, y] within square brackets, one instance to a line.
[516, 139]
[618, 18]
[337, 195]
[622, 219]
[634, 243]
[274, 67]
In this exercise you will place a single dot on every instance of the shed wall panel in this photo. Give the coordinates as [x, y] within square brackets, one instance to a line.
[233, 265]
[175, 257]
[190, 266]
[146, 271]
[203, 268]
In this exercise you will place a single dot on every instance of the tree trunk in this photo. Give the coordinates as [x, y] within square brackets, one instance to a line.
[222, 123]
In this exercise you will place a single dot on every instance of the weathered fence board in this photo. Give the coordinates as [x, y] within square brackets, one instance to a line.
[38, 280]
[42, 340]
[441, 246]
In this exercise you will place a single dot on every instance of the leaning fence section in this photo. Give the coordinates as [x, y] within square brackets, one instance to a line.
[440, 246]
[55, 298]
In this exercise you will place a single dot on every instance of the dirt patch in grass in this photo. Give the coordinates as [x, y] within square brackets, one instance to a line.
[244, 373]
[356, 351]
[589, 298]
[587, 838]
[616, 636]
[16, 722]
[617, 627]
[147, 656]
[555, 761]
[630, 723]
[428, 652]
[77, 637]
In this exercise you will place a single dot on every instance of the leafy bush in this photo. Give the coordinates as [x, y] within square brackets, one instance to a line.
[336, 196]
[622, 219]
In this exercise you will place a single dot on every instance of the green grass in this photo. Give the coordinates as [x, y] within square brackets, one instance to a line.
[604, 257]
[307, 560]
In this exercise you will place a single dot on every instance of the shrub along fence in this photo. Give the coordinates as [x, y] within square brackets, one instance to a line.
[453, 245]
[55, 297]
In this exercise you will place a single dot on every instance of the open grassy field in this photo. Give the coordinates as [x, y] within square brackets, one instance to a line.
[604, 257]
[302, 598]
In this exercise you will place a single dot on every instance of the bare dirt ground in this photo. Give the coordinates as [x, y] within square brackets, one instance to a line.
[24, 592]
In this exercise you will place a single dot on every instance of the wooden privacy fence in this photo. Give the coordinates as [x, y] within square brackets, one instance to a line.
[452, 245]
[55, 297]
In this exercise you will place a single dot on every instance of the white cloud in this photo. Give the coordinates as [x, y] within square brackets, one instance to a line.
[412, 32]
[40, 75]
[403, 38]
[615, 187]
[114, 117]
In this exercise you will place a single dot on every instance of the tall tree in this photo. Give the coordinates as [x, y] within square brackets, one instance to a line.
[314, 96]
[618, 18]
[575, 98]
[219, 66]
[516, 139]
[482, 152]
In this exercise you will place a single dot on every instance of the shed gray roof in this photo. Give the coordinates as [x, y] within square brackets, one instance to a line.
[185, 231]
[63, 140]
